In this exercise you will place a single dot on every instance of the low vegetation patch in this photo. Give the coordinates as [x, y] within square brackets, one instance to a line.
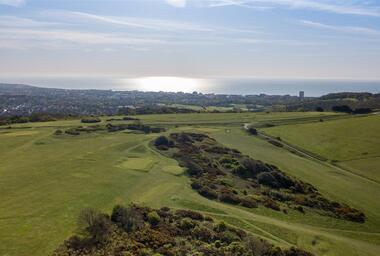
[111, 128]
[141, 231]
[136, 127]
[225, 174]
[91, 120]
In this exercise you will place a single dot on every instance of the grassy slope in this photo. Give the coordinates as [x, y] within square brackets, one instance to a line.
[46, 181]
[354, 142]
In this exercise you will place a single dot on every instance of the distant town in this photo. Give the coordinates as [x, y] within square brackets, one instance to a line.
[24, 100]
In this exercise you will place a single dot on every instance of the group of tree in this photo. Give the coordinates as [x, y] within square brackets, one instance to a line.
[347, 109]
[26, 119]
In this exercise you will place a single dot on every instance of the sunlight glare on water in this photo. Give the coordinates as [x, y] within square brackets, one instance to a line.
[168, 84]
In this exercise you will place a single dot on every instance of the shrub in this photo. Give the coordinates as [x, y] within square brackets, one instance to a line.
[300, 209]
[229, 197]
[202, 233]
[129, 219]
[186, 224]
[72, 132]
[193, 169]
[362, 111]
[153, 218]
[208, 192]
[228, 237]
[190, 214]
[249, 202]
[319, 109]
[94, 225]
[270, 203]
[267, 179]
[58, 132]
[221, 227]
[252, 131]
[161, 141]
[343, 108]
[91, 120]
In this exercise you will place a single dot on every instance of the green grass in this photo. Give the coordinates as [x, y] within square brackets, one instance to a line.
[353, 143]
[46, 180]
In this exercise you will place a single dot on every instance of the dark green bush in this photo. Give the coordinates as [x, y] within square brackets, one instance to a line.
[91, 120]
[153, 218]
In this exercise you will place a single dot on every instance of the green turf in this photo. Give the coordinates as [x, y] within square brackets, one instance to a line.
[46, 180]
[352, 143]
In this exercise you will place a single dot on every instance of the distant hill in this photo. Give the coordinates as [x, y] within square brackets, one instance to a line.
[353, 100]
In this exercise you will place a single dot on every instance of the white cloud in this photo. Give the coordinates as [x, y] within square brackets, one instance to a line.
[13, 21]
[15, 3]
[143, 23]
[32, 38]
[339, 7]
[176, 3]
[344, 29]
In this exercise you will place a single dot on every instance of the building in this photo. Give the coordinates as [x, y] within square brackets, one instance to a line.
[302, 94]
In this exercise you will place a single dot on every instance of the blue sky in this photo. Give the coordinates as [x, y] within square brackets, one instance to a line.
[193, 38]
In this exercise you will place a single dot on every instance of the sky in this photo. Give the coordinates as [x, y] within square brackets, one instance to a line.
[191, 38]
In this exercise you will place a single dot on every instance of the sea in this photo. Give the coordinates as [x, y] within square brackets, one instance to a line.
[217, 85]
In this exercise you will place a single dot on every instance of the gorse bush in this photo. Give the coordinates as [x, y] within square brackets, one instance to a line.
[224, 174]
[163, 232]
[153, 218]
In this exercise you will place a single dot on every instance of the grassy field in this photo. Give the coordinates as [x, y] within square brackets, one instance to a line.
[352, 143]
[46, 180]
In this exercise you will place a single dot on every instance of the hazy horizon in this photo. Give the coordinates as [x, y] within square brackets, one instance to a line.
[217, 85]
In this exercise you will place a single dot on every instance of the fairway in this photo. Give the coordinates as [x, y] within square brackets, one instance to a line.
[46, 180]
[353, 143]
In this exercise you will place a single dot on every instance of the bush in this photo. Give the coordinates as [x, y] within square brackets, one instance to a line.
[319, 109]
[193, 169]
[249, 202]
[252, 131]
[163, 141]
[190, 214]
[202, 233]
[343, 108]
[72, 132]
[228, 237]
[270, 203]
[153, 218]
[129, 219]
[300, 209]
[94, 225]
[362, 111]
[208, 192]
[186, 224]
[229, 197]
[221, 227]
[91, 120]
[267, 179]
[58, 132]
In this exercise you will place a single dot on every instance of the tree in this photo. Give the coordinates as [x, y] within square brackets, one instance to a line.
[252, 131]
[94, 225]
[319, 109]
[343, 108]
[129, 219]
